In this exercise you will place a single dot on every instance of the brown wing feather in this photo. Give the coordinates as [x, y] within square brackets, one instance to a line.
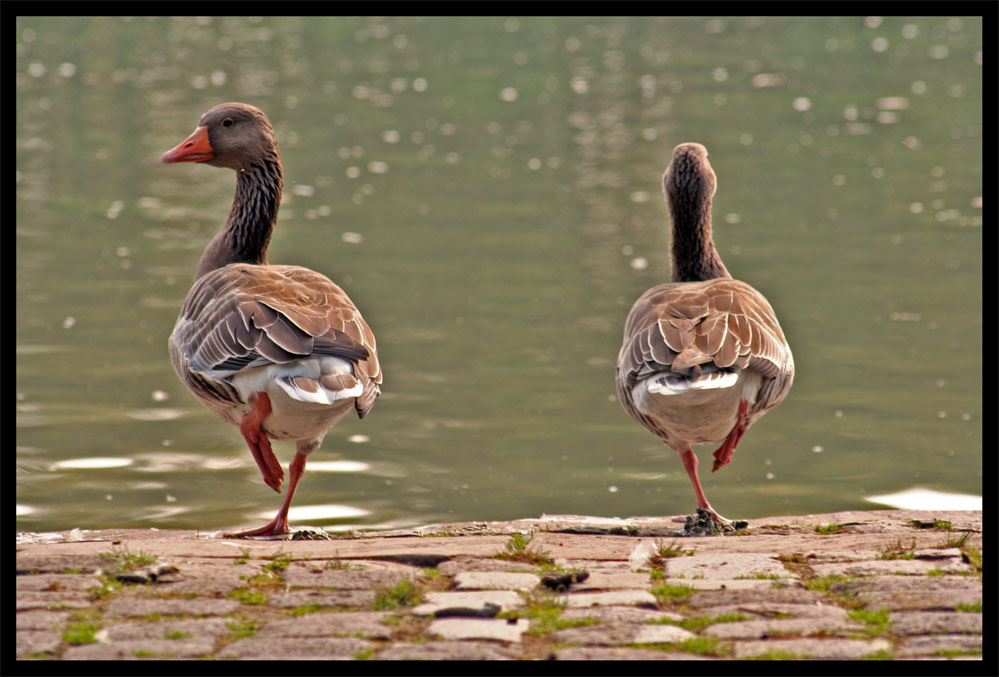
[236, 313]
[678, 327]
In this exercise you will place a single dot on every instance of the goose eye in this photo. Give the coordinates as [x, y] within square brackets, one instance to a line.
[227, 122]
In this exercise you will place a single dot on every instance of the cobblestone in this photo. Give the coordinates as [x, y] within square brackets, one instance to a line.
[879, 586]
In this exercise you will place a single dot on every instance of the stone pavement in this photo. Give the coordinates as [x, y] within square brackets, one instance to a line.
[882, 584]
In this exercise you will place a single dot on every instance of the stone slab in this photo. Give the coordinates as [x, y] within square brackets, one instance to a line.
[437, 601]
[495, 580]
[319, 595]
[497, 629]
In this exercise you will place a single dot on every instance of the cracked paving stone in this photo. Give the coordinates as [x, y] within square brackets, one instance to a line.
[934, 622]
[41, 620]
[599, 653]
[322, 624]
[195, 628]
[299, 648]
[331, 598]
[454, 651]
[814, 648]
[147, 606]
[616, 597]
[926, 646]
[488, 580]
[140, 649]
[793, 626]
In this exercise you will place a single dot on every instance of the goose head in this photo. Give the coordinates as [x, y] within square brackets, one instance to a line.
[233, 135]
[689, 178]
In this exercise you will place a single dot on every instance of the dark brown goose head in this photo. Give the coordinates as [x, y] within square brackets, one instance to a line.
[240, 137]
[689, 184]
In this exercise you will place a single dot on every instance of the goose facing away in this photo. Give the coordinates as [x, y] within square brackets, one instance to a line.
[280, 351]
[703, 356]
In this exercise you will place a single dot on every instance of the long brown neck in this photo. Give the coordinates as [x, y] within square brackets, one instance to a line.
[693, 252]
[247, 232]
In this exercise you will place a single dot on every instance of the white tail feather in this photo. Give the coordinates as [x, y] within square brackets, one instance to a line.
[674, 384]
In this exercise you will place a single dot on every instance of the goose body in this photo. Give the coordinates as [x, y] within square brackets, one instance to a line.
[280, 351]
[703, 356]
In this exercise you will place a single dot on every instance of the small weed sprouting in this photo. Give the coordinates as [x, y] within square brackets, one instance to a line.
[702, 646]
[80, 633]
[664, 552]
[935, 525]
[248, 596]
[305, 610]
[797, 564]
[241, 629]
[121, 561]
[838, 589]
[118, 561]
[543, 608]
[335, 563]
[433, 580]
[876, 623]
[776, 655]
[668, 593]
[109, 586]
[403, 593]
[953, 541]
[973, 556]
[517, 550]
[279, 561]
[898, 550]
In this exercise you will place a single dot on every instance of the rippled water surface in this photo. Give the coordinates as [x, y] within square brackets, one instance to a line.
[487, 191]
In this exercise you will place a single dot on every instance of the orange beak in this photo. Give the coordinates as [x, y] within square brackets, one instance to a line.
[194, 148]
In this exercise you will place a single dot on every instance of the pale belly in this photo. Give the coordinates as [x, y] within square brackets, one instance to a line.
[295, 420]
[290, 419]
[306, 416]
[695, 416]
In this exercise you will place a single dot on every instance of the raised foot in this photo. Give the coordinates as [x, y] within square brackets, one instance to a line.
[260, 446]
[723, 455]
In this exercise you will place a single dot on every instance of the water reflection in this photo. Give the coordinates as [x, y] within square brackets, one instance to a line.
[91, 463]
[317, 513]
[488, 192]
[918, 498]
[338, 466]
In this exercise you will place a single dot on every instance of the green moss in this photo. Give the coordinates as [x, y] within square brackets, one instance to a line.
[876, 623]
[248, 596]
[403, 593]
[82, 632]
[278, 562]
[241, 629]
[775, 655]
[543, 608]
[702, 646]
[668, 592]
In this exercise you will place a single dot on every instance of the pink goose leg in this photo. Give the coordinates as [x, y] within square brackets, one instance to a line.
[252, 428]
[690, 465]
[279, 525]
